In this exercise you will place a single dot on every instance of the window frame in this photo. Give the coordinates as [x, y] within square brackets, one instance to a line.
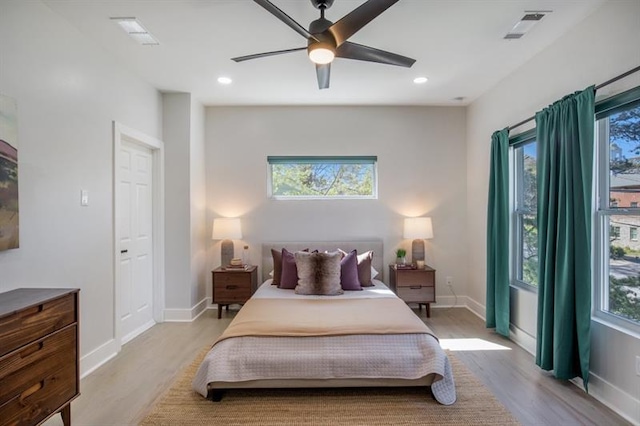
[516, 211]
[355, 159]
[604, 210]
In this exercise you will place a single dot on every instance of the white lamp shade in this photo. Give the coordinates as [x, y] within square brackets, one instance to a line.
[226, 228]
[418, 228]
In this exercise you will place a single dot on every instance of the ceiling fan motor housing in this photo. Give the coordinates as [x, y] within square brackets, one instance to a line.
[322, 4]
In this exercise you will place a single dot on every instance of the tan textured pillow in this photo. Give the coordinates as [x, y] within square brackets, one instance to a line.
[318, 273]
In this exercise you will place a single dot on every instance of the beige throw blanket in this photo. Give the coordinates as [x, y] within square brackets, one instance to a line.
[321, 317]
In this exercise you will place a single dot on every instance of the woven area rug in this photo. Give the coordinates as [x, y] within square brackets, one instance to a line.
[476, 405]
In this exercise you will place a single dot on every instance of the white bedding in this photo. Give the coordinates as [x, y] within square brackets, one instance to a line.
[268, 291]
[395, 357]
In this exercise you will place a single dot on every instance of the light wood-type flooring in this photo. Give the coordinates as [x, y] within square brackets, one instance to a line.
[122, 390]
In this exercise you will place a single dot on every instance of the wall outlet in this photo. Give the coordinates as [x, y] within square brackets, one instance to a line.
[449, 281]
[638, 365]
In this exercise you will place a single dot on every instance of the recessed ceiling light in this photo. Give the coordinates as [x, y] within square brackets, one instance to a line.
[224, 80]
[420, 80]
[136, 31]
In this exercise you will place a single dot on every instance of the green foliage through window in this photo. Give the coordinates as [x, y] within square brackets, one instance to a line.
[323, 177]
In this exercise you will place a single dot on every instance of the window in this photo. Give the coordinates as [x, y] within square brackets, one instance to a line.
[524, 218]
[617, 251]
[322, 177]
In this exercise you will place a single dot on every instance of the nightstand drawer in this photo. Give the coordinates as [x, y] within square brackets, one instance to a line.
[232, 278]
[231, 295]
[417, 293]
[413, 278]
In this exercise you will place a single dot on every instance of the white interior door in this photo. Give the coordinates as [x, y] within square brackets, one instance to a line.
[135, 223]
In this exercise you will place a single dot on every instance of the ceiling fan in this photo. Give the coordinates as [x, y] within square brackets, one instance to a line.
[326, 40]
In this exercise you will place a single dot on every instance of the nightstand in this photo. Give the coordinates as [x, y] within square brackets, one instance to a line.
[233, 286]
[414, 285]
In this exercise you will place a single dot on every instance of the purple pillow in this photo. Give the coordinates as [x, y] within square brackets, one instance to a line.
[349, 272]
[289, 277]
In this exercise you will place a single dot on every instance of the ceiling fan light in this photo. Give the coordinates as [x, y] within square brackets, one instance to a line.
[321, 53]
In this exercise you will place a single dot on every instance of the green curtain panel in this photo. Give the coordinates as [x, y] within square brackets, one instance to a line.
[565, 132]
[498, 235]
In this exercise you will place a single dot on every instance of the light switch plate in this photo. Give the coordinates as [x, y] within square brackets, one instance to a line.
[84, 197]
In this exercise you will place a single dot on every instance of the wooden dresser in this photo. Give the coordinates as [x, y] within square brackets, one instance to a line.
[39, 368]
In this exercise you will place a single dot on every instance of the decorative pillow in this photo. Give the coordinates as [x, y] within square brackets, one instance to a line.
[276, 274]
[374, 273]
[349, 272]
[277, 266]
[318, 273]
[364, 267]
[289, 276]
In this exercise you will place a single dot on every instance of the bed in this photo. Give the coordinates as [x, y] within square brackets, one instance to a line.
[367, 338]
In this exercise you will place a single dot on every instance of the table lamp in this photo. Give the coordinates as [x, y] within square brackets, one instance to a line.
[418, 229]
[226, 229]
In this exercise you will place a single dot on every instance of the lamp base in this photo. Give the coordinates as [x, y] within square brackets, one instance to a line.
[226, 253]
[417, 250]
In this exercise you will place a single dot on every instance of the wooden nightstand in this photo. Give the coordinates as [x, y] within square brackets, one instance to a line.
[414, 285]
[233, 286]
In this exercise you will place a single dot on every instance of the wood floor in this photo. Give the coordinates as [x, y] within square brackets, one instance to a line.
[121, 391]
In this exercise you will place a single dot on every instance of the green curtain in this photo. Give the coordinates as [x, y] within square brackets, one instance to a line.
[565, 135]
[498, 235]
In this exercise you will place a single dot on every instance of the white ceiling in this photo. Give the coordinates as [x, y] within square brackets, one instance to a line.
[458, 45]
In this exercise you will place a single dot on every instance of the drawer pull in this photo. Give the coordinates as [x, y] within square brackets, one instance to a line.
[415, 287]
[124, 251]
[232, 287]
[32, 311]
[31, 350]
[33, 389]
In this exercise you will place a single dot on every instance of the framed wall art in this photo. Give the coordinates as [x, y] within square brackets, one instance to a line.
[9, 217]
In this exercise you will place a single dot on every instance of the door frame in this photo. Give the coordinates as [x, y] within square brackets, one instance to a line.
[122, 133]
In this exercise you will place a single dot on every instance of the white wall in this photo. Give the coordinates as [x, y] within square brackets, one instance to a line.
[601, 47]
[421, 171]
[185, 205]
[68, 93]
[198, 205]
[177, 139]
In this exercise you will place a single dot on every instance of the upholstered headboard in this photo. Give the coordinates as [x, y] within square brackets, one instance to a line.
[360, 246]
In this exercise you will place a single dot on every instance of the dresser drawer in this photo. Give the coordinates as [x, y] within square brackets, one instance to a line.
[23, 368]
[417, 294]
[35, 322]
[42, 398]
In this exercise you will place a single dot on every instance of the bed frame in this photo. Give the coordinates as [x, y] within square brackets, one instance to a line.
[217, 389]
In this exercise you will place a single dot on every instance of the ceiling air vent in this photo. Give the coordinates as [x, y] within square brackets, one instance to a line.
[524, 25]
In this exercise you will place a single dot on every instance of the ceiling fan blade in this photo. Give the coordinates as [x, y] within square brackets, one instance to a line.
[324, 75]
[349, 50]
[266, 54]
[286, 19]
[358, 18]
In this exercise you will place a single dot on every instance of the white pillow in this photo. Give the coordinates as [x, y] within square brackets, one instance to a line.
[374, 273]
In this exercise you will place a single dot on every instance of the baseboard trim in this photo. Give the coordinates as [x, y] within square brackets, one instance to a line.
[477, 308]
[138, 331]
[187, 315]
[522, 339]
[622, 403]
[97, 357]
